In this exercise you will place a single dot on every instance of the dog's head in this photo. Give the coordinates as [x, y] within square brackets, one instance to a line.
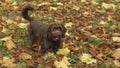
[56, 32]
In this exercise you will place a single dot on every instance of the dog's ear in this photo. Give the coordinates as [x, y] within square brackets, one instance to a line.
[50, 29]
[63, 30]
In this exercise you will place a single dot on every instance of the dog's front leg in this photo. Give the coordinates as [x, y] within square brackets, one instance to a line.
[44, 47]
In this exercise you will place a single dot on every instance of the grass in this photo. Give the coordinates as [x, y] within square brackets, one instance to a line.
[73, 58]
[3, 50]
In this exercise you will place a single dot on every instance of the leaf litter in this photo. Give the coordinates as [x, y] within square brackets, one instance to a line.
[92, 38]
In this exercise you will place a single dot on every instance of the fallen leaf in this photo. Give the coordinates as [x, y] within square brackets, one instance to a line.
[108, 6]
[8, 62]
[22, 25]
[68, 24]
[76, 7]
[94, 2]
[87, 58]
[9, 21]
[49, 56]
[83, 0]
[67, 34]
[64, 51]
[116, 53]
[103, 22]
[116, 39]
[10, 44]
[6, 38]
[109, 17]
[43, 3]
[64, 63]
[53, 8]
[25, 56]
[60, 4]
[117, 63]
[4, 30]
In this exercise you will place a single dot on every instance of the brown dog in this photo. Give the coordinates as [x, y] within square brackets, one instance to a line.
[49, 36]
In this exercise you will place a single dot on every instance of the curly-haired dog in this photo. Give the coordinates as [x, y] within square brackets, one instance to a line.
[49, 35]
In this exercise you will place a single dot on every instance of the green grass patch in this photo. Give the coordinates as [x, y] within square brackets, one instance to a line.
[3, 50]
[73, 58]
[40, 66]
[97, 42]
[44, 18]
[21, 65]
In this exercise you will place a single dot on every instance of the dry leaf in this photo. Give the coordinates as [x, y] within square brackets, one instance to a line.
[53, 8]
[109, 17]
[94, 2]
[49, 56]
[108, 6]
[43, 3]
[6, 38]
[102, 22]
[9, 21]
[60, 4]
[22, 25]
[64, 63]
[87, 58]
[67, 34]
[117, 63]
[68, 24]
[83, 0]
[116, 53]
[25, 56]
[10, 44]
[8, 62]
[64, 51]
[76, 7]
[4, 30]
[116, 39]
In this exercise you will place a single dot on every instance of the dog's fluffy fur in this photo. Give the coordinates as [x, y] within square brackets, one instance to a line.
[49, 36]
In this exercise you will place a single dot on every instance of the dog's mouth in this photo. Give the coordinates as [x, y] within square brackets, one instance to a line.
[55, 38]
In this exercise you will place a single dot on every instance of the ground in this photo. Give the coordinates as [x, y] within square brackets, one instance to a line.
[92, 39]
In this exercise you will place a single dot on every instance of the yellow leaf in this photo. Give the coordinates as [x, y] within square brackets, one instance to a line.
[83, 0]
[64, 63]
[49, 56]
[94, 2]
[103, 22]
[64, 51]
[8, 62]
[10, 44]
[116, 53]
[86, 58]
[65, 60]
[67, 34]
[22, 25]
[108, 6]
[117, 63]
[4, 30]
[116, 39]
[6, 38]
[68, 24]
[53, 8]
[9, 21]
[76, 7]
[25, 56]
[59, 3]
[109, 18]
[43, 3]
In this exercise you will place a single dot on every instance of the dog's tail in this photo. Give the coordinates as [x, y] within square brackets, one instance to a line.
[25, 13]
